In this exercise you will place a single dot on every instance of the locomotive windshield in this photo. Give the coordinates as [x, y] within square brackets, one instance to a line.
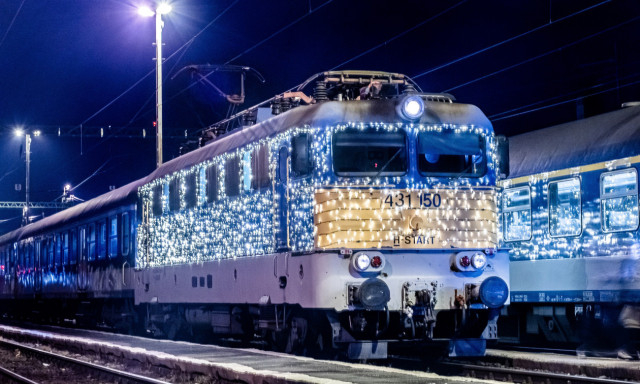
[452, 154]
[369, 153]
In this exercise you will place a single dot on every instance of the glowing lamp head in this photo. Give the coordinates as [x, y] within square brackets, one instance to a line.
[18, 131]
[412, 107]
[361, 261]
[163, 8]
[479, 260]
[145, 11]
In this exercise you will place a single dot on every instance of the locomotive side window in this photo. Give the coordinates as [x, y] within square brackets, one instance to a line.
[246, 172]
[91, 241]
[212, 183]
[113, 236]
[260, 167]
[301, 163]
[190, 193]
[126, 233]
[174, 194]
[619, 200]
[565, 208]
[369, 153]
[156, 205]
[232, 176]
[453, 154]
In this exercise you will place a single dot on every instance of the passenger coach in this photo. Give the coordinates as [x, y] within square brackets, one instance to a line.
[570, 218]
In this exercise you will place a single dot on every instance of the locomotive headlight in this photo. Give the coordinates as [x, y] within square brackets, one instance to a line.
[361, 261]
[494, 292]
[412, 107]
[478, 261]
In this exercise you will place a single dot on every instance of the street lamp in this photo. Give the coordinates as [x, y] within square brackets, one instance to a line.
[27, 137]
[162, 9]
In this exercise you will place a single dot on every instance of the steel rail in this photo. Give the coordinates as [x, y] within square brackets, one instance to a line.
[127, 376]
[522, 375]
[14, 377]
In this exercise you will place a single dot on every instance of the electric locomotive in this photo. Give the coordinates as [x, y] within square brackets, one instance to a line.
[570, 218]
[365, 217]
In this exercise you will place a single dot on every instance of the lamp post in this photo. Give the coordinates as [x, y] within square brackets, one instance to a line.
[27, 142]
[162, 9]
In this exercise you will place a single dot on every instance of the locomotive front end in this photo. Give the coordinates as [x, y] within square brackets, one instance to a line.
[410, 209]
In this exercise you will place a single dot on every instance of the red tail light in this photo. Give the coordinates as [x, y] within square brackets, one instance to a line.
[376, 261]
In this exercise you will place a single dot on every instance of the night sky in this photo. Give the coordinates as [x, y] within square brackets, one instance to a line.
[80, 67]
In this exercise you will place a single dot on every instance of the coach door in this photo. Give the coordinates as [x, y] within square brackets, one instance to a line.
[282, 180]
[82, 259]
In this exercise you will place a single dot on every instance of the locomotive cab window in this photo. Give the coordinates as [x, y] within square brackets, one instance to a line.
[565, 208]
[369, 153]
[301, 163]
[619, 200]
[516, 206]
[453, 154]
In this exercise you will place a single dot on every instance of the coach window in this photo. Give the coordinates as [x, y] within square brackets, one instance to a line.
[210, 183]
[126, 233]
[190, 193]
[301, 163]
[101, 233]
[91, 241]
[565, 208]
[619, 200]
[260, 167]
[452, 154]
[56, 247]
[65, 248]
[369, 153]
[50, 245]
[29, 262]
[516, 206]
[113, 237]
[174, 194]
[73, 247]
[232, 176]
[156, 205]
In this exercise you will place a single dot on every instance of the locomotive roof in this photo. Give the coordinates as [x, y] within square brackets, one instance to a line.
[596, 139]
[326, 113]
[323, 114]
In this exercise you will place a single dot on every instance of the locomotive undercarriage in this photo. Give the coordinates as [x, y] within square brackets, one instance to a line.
[357, 334]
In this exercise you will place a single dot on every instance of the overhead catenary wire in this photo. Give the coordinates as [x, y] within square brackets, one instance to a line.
[6, 33]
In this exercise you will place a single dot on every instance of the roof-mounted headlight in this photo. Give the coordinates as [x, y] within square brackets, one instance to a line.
[411, 107]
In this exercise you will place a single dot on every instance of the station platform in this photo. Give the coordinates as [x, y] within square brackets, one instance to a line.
[227, 364]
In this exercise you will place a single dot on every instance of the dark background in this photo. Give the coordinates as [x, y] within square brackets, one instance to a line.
[81, 66]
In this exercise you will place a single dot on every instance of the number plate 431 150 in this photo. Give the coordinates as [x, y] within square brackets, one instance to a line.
[412, 200]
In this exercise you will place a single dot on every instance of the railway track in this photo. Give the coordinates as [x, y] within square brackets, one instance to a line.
[515, 375]
[75, 370]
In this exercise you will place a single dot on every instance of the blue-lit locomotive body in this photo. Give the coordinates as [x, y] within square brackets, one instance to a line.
[365, 217]
[570, 217]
